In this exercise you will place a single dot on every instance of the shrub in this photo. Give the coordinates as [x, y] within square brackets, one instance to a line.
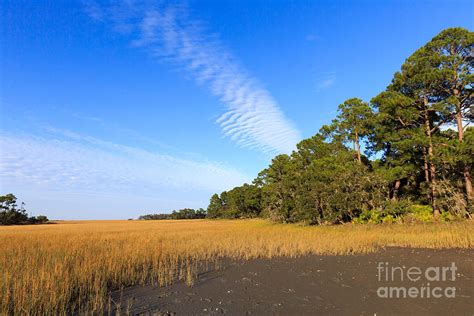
[368, 216]
[389, 213]
[424, 213]
[40, 219]
[420, 213]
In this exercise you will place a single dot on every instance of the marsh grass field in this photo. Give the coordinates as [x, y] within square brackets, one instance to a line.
[74, 266]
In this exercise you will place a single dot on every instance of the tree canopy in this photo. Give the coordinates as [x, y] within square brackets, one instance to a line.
[417, 142]
[185, 213]
[10, 214]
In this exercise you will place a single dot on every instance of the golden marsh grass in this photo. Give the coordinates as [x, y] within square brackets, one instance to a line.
[69, 266]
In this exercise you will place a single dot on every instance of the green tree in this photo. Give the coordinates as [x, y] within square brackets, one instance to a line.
[399, 135]
[331, 186]
[278, 189]
[353, 122]
[243, 201]
[420, 81]
[405, 127]
[11, 215]
[451, 52]
[215, 208]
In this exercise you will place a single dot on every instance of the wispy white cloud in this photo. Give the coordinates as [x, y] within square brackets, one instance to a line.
[76, 164]
[81, 162]
[253, 118]
[93, 10]
[327, 80]
[327, 83]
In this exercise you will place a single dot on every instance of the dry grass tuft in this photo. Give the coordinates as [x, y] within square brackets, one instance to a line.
[73, 266]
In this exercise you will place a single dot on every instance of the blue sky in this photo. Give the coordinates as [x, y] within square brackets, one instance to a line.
[115, 109]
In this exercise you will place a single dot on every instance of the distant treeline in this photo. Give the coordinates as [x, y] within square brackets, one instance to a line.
[10, 214]
[409, 149]
[186, 213]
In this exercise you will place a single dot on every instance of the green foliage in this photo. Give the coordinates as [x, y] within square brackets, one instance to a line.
[215, 207]
[406, 127]
[423, 213]
[353, 122]
[278, 189]
[185, 213]
[402, 211]
[41, 219]
[11, 215]
[374, 217]
[390, 212]
[240, 202]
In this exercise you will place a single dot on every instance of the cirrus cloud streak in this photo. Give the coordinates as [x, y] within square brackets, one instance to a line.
[252, 118]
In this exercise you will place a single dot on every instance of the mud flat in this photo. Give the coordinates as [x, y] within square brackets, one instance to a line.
[380, 283]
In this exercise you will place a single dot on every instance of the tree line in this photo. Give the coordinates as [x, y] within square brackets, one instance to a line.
[185, 213]
[409, 148]
[10, 214]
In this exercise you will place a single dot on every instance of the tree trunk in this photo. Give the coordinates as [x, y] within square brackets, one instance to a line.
[459, 124]
[432, 167]
[468, 183]
[426, 170]
[396, 187]
[425, 166]
[434, 193]
[357, 144]
[466, 173]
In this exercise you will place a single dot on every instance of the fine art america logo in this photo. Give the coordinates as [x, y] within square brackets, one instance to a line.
[431, 282]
